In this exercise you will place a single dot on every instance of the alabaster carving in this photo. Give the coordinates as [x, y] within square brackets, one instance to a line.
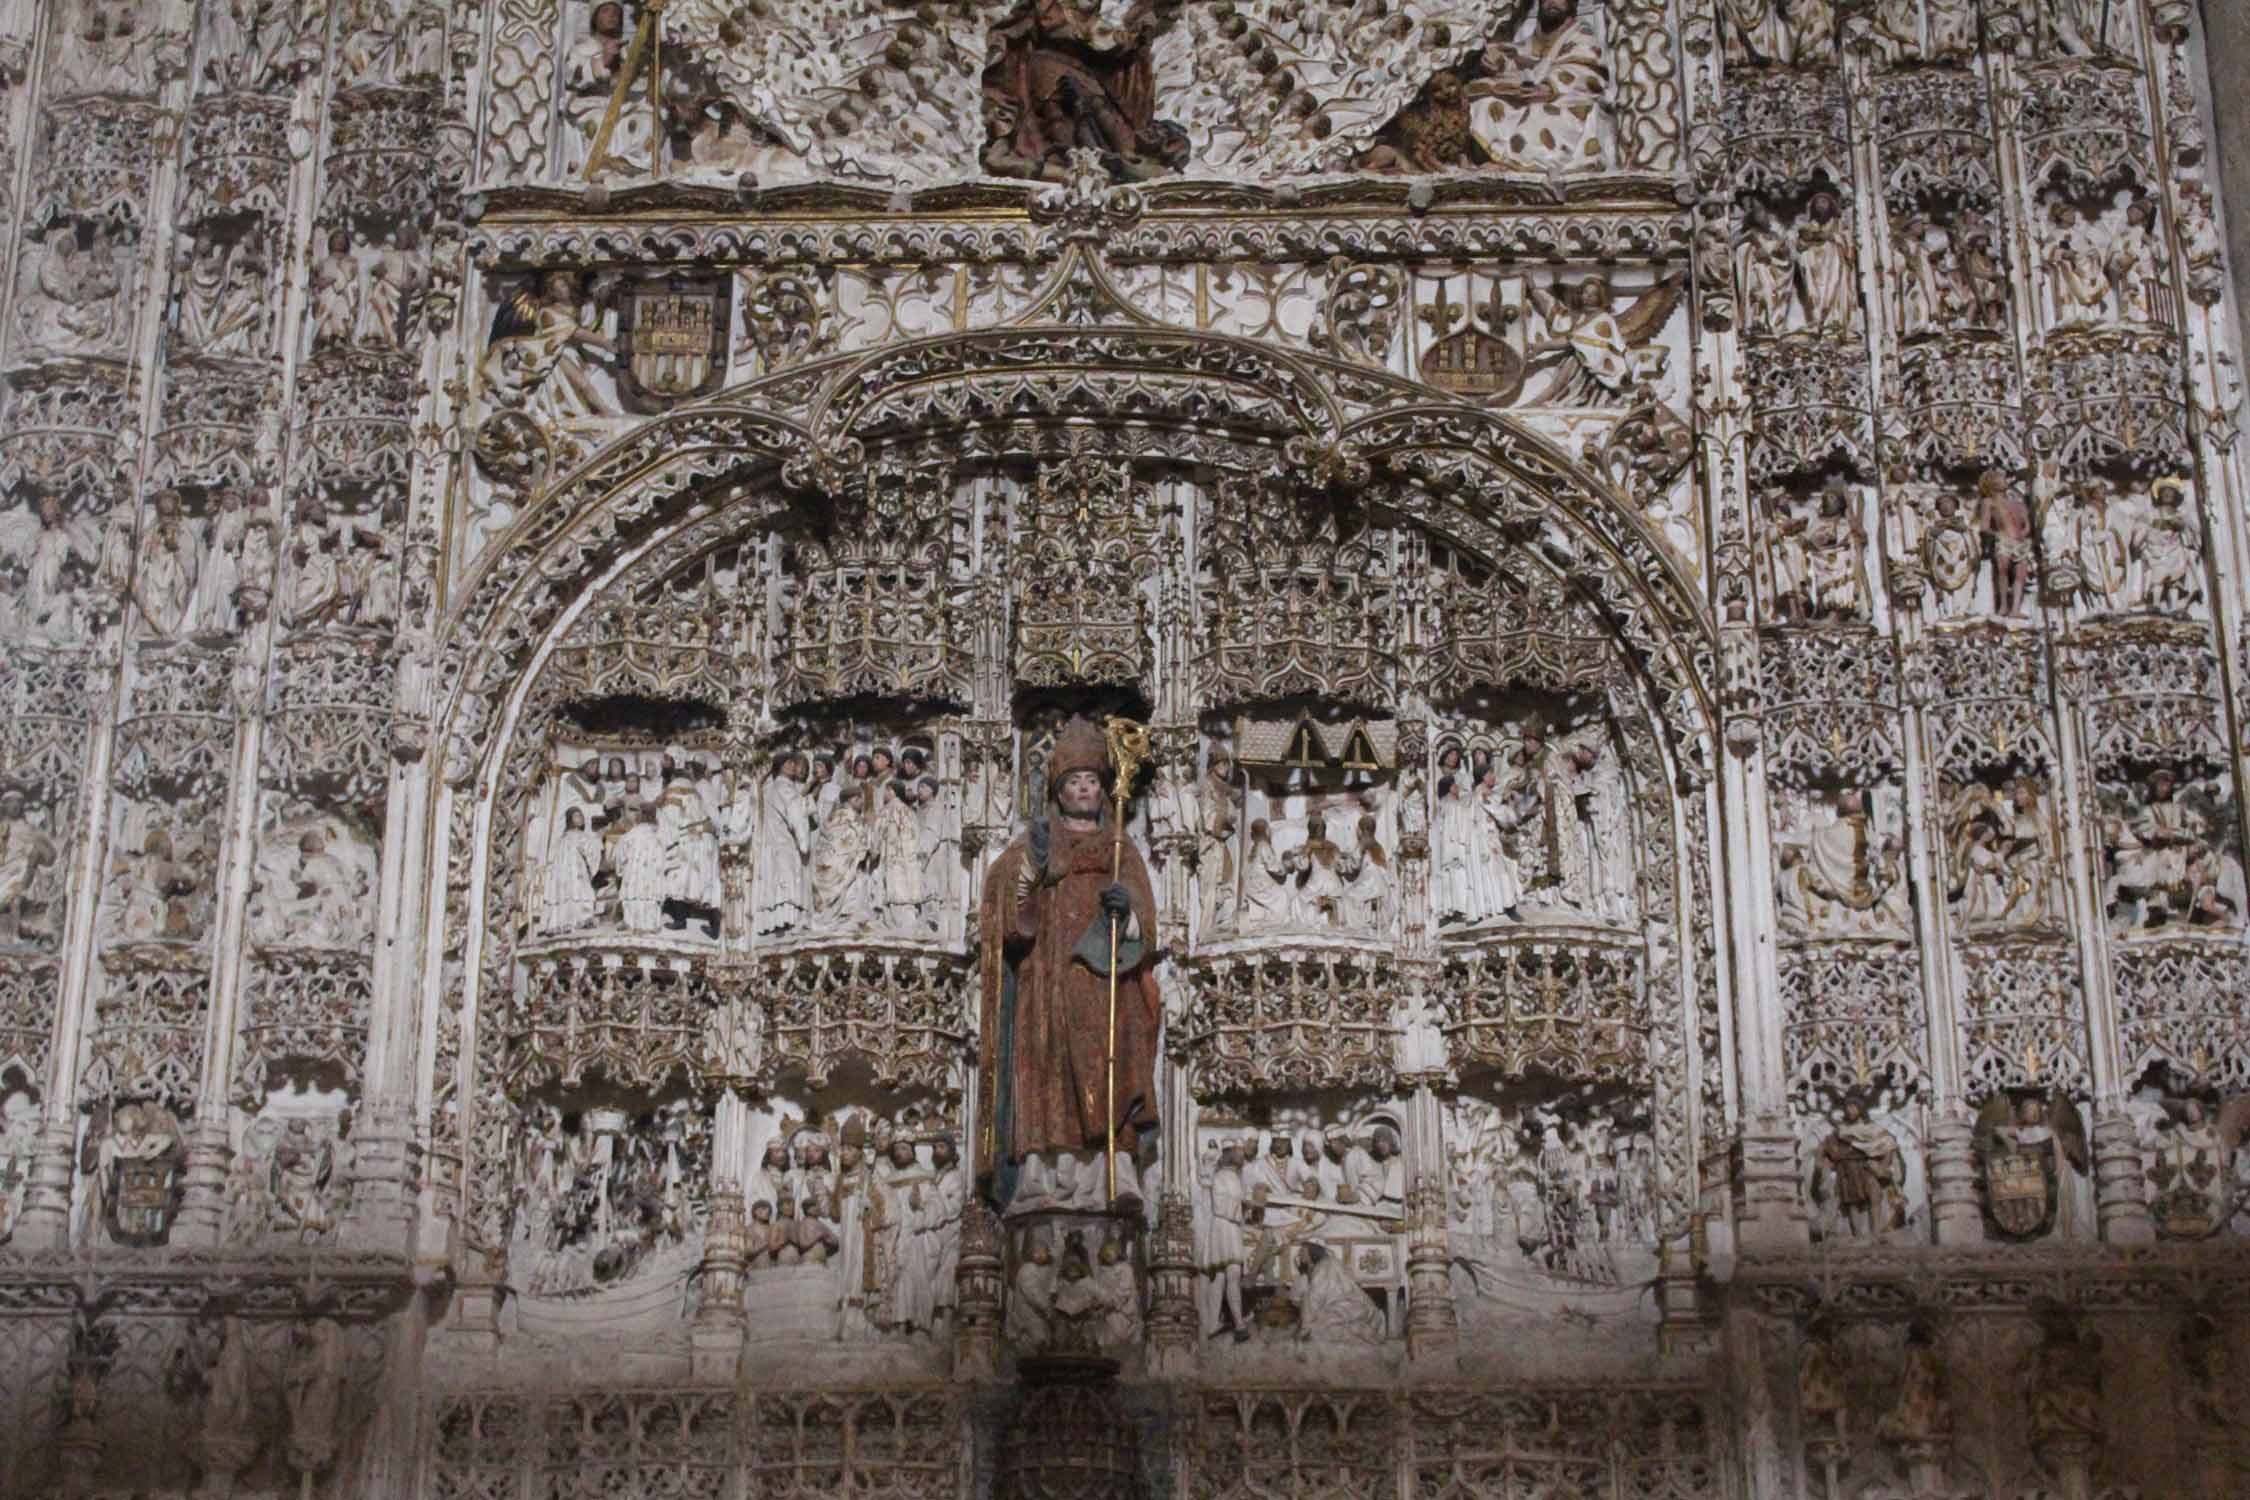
[1409, 747]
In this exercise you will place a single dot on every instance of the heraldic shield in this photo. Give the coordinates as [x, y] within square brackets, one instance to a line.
[146, 1196]
[675, 333]
[2024, 1142]
[2020, 1185]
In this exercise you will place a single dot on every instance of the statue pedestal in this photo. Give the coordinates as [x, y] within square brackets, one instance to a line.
[223, 1456]
[201, 1219]
[979, 1289]
[78, 1456]
[1066, 1233]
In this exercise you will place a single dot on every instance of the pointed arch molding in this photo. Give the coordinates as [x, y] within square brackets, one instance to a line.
[1082, 357]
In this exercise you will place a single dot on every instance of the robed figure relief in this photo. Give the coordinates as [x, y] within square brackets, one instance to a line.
[1049, 901]
[1061, 80]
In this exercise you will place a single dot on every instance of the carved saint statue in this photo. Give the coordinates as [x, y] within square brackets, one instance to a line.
[1921, 1414]
[1828, 267]
[1765, 263]
[1061, 80]
[170, 561]
[1058, 899]
[1861, 1173]
[590, 70]
[777, 894]
[1544, 106]
[19, 1144]
[26, 852]
[312, 1388]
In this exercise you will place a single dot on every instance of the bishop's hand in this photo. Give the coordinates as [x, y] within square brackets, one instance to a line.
[1117, 904]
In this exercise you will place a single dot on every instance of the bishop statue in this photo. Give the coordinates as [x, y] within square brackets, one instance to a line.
[1066, 905]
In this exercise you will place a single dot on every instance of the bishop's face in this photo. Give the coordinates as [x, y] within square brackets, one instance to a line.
[1080, 794]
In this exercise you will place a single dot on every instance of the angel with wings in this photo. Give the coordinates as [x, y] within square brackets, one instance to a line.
[1592, 356]
[2194, 1163]
[48, 551]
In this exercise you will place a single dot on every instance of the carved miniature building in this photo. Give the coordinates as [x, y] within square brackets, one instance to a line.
[1666, 580]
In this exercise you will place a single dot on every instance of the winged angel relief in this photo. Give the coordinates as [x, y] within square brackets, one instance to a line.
[872, 90]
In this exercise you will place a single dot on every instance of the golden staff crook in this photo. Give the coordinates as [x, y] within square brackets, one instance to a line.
[646, 36]
[1128, 749]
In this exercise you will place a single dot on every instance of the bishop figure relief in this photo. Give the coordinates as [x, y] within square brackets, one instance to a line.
[1066, 906]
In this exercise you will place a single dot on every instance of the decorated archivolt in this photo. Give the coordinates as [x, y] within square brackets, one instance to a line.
[730, 837]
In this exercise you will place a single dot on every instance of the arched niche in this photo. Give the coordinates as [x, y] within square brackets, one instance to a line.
[1571, 595]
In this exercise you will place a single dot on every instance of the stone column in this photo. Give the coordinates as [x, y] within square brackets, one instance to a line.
[978, 1282]
[1433, 1324]
[380, 1215]
[45, 1221]
[1950, 1161]
[1173, 1326]
[201, 1219]
[716, 1338]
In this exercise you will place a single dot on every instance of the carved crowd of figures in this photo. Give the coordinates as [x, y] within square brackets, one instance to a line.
[1303, 1237]
[605, 1193]
[315, 884]
[1302, 877]
[2002, 854]
[2171, 857]
[2129, 548]
[1535, 829]
[633, 844]
[2103, 265]
[867, 1212]
[365, 294]
[202, 575]
[291, 1178]
[1817, 549]
[1556, 1188]
[74, 289]
[1801, 277]
[852, 841]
